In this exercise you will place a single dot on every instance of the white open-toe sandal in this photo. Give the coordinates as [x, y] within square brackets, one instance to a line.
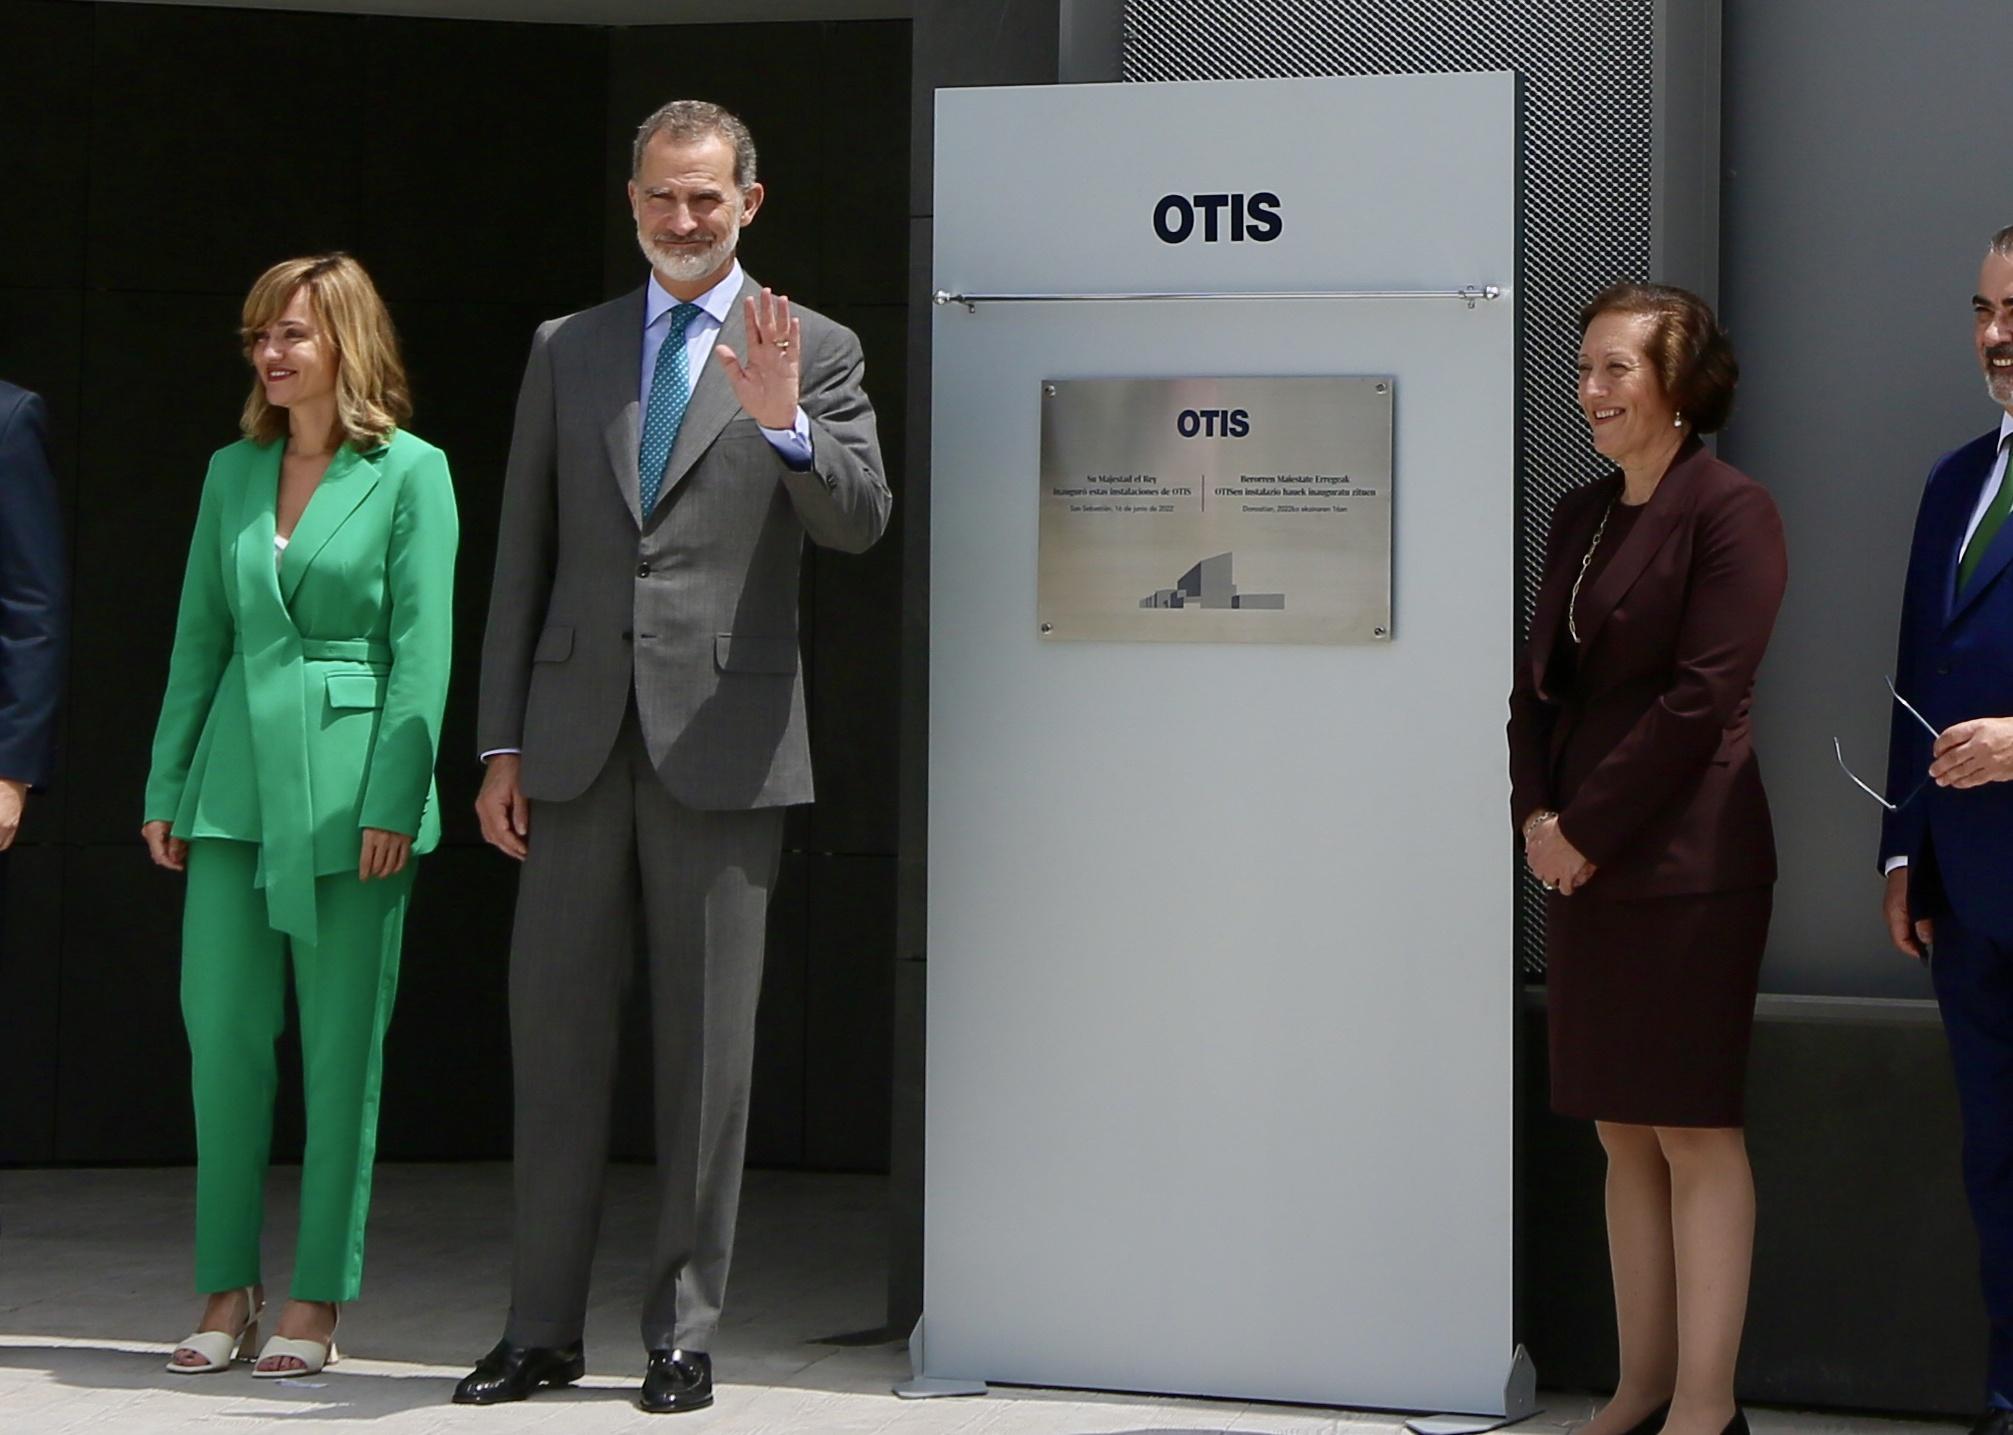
[314, 1355]
[217, 1347]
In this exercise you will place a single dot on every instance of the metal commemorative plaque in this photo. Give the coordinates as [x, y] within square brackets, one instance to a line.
[1216, 510]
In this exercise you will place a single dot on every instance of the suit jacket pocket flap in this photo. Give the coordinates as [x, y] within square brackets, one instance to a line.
[355, 690]
[739, 653]
[555, 645]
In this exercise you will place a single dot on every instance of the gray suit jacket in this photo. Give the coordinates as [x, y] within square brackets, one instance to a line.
[693, 606]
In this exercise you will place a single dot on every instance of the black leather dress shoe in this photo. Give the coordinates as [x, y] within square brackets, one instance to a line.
[677, 1380]
[511, 1372]
[1994, 1422]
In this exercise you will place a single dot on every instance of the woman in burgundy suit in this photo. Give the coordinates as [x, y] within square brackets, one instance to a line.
[1636, 792]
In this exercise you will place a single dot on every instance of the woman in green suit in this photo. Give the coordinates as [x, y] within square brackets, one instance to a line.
[292, 782]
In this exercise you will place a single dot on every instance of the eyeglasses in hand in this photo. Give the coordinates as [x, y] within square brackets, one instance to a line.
[1868, 788]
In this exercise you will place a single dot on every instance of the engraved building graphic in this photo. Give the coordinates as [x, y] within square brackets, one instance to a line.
[1208, 585]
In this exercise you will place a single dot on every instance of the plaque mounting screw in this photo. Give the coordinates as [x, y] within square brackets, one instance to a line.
[1376, 632]
[1048, 391]
[1383, 388]
[1048, 627]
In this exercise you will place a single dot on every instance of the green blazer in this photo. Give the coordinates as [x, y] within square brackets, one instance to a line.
[304, 698]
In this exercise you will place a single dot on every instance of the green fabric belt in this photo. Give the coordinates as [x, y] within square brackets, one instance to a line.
[275, 656]
[342, 650]
[345, 650]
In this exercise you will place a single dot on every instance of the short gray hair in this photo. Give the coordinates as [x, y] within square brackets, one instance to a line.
[2002, 243]
[688, 120]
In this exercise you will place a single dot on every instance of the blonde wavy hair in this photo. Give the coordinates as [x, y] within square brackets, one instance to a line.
[372, 397]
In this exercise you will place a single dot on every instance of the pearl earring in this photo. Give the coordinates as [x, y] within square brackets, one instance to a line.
[1677, 421]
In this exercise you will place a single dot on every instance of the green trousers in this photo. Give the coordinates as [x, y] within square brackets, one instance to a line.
[234, 1005]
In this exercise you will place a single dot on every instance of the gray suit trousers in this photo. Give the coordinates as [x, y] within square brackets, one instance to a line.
[699, 882]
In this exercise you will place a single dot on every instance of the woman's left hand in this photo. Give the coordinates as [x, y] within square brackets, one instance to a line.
[384, 853]
[1556, 862]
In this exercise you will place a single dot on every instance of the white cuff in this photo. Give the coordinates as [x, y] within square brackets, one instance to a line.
[500, 752]
[1892, 864]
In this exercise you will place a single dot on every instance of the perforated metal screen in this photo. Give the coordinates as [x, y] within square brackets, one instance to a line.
[1587, 76]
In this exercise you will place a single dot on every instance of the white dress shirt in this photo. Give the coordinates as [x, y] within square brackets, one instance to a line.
[1985, 496]
[794, 443]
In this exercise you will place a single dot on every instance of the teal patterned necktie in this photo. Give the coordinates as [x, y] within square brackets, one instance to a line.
[670, 391]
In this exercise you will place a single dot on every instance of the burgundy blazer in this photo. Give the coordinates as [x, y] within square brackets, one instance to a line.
[1645, 751]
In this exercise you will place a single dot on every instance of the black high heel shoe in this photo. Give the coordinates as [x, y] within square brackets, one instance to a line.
[1653, 1422]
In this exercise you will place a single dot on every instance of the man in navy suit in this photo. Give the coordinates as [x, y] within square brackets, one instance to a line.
[1947, 843]
[34, 615]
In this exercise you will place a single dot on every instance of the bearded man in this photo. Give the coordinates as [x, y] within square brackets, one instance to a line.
[1948, 836]
[642, 719]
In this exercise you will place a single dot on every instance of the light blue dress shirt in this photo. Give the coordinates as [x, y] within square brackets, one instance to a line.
[794, 444]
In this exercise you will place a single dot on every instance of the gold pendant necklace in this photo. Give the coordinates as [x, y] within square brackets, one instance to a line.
[1573, 600]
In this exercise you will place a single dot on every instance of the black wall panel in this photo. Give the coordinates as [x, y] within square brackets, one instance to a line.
[43, 184]
[854, 652]
[121, 1089]
[31, 901]
[864, 166]
[162, 388]
[221, 140]
[465, 360]
[447, 1055]
[850, 951]
[776, 1114]
[474, 189]
[154, 159]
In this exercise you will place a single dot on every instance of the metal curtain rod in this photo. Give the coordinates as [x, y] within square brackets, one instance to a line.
[1467, 293]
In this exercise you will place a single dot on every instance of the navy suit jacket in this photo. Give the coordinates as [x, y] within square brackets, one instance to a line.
[34, 599]
[1955, 663]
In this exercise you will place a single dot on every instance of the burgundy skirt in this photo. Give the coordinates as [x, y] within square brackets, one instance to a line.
[1651, 1005]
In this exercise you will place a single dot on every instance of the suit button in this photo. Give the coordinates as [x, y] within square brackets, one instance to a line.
[1943, 670]
[642, 570]
[627, 635]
